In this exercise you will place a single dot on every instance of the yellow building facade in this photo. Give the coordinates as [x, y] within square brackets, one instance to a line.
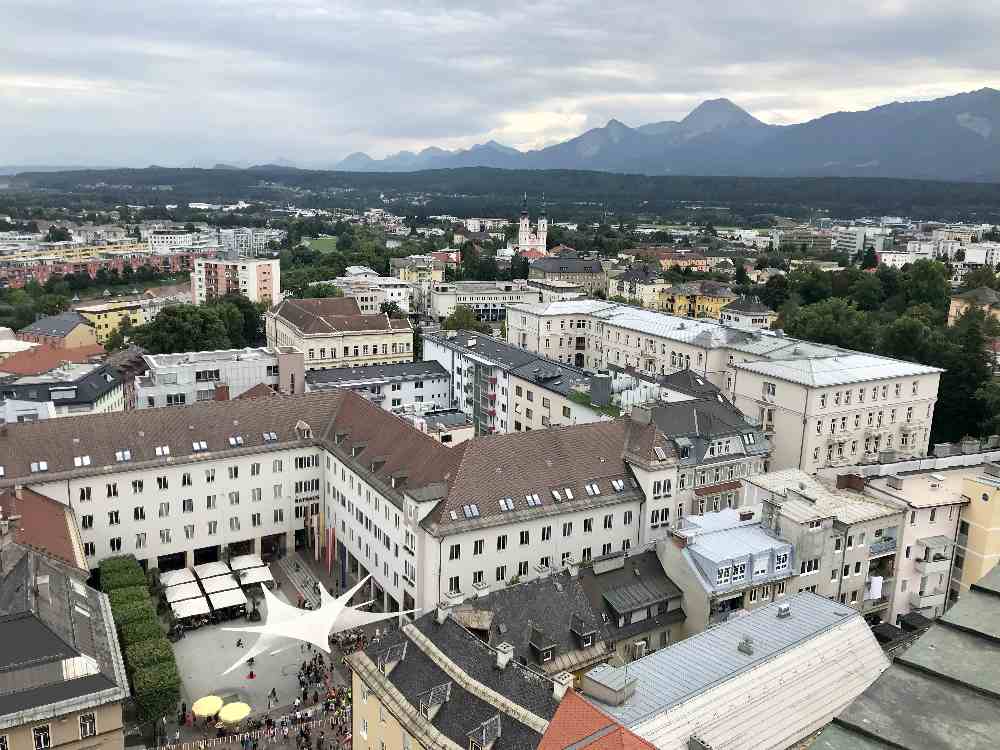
[978, 543]
[106, 317]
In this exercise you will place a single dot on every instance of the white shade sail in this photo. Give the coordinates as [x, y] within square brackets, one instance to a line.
[240, 562]
[190, 608]
[182, 591]
[207, 570]
[231, 598]
[176, 577]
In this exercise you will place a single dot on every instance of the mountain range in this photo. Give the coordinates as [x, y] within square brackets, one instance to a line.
[951, 138]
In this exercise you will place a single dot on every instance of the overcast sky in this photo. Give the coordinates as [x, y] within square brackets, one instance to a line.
[184, 82]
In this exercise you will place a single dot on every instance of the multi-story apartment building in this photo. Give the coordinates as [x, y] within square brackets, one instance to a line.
[850, 240]
[725, 562]
[166, 241]
[258, 280]
[489, 300]
[420, 271]
[977, 548]
[178, 379]
[696, 299]
[588, 273]
[984, 299]
[407, 386]
[824, 406]
[333, 332]
[249, 242]
[847, 543]
[933, 504]
[67, 330]
[64, 391]
[640, 284]
[507, 389]
[373, 291]
[748, 314]
[66, 682]
[106, 317]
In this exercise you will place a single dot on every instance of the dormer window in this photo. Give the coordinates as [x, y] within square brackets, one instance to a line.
[162, 450]
[199, 445]
[123, 455]
[685, 452]
[750, 438]
[79, 461]
[547, 655]
[588, 641]
[37, 466]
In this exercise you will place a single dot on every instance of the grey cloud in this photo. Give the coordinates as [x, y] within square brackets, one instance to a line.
[173, 82]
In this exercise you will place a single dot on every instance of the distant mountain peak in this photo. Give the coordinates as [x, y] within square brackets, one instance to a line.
[713, 114]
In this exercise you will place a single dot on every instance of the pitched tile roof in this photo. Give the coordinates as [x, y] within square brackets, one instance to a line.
[55, 325]
[539, 462]
[333, 315]
[44, 358]
[44, 525]
[578, 725]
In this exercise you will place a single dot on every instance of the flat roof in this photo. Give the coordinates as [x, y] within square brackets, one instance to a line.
[217, 355]
[930, 487]
[837, 369]
[806, 498]
[347, 376]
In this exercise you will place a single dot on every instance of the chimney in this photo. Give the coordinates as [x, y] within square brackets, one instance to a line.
[851, 482]
[784, 610]
[561, 683]
[221, 392]
[746, 646]
[18, 491]
[505, 652]
[443, 610]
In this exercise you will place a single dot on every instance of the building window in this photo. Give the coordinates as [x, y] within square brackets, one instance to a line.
[42, 738]
[501, 573]
[88, 725]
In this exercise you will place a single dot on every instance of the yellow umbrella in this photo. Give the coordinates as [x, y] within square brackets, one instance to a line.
[232, 713]
[207, 706]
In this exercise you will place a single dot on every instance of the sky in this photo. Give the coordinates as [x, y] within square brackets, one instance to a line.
[195, 82]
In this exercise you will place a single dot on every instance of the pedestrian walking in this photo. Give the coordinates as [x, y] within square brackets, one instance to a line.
[239, 643]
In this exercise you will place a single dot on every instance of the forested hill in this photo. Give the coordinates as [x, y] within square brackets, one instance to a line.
[501, 189]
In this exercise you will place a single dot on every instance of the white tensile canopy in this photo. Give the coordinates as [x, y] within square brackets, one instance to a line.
[176, 577]
[231, 598]
[182, 591]
[190, 608]
[241, 562]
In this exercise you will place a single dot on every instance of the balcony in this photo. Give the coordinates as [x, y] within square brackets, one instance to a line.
[933, 564]
[491, 381]
[880, 547]
[931, 597]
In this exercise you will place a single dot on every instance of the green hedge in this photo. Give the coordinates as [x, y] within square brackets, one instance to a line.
[147, 653]
[141, 630]
[118, 563]
[157, 690]
[113, 580]
[127, 596]
[134, 612]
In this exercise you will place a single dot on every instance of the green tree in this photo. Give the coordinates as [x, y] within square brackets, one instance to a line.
[811, 284]
[980, 277]
[391, 309]
[246, 327]
[866, 292]
[464, 319]
[321, 291]
[183, 328]
[927, 282]
[58, 234]
[833, 321]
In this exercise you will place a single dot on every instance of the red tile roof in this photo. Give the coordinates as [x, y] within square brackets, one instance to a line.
[581, 725]
[261, 390]
[332, 315]
[44, 358]
[45, 525]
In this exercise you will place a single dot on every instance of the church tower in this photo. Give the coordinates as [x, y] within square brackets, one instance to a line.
[524, 228]
[543, 225]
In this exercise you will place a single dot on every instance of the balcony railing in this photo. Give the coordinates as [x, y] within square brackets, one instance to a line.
[937, 564]
[928, 598]
[882, 546]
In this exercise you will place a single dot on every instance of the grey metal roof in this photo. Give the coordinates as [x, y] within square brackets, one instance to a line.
[91, 385]
[374, 374]
[566, 264]
[837, 369]
[732, 543]
[55, 325]
[671, 676]
[943, 691]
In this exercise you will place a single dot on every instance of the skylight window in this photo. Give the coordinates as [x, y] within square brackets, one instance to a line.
[750, 438]
[37, 466]
[533, 501]
[618, 485]
[163, 450]
[568, 493]
[123, 455]
[236, 440]
[557, 495]
[270, 437]
[471, 511]
[199, 445]
[79, 461]
[592, 489]
[454, 516]
[506, 504]
[3, 471]
[661, 455]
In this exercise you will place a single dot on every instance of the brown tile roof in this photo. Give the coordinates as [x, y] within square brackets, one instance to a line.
[583, 726]
[514, 465]
[45, 525]
[261, 390]
[333, 315]
[43, 358]
[378, 437]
